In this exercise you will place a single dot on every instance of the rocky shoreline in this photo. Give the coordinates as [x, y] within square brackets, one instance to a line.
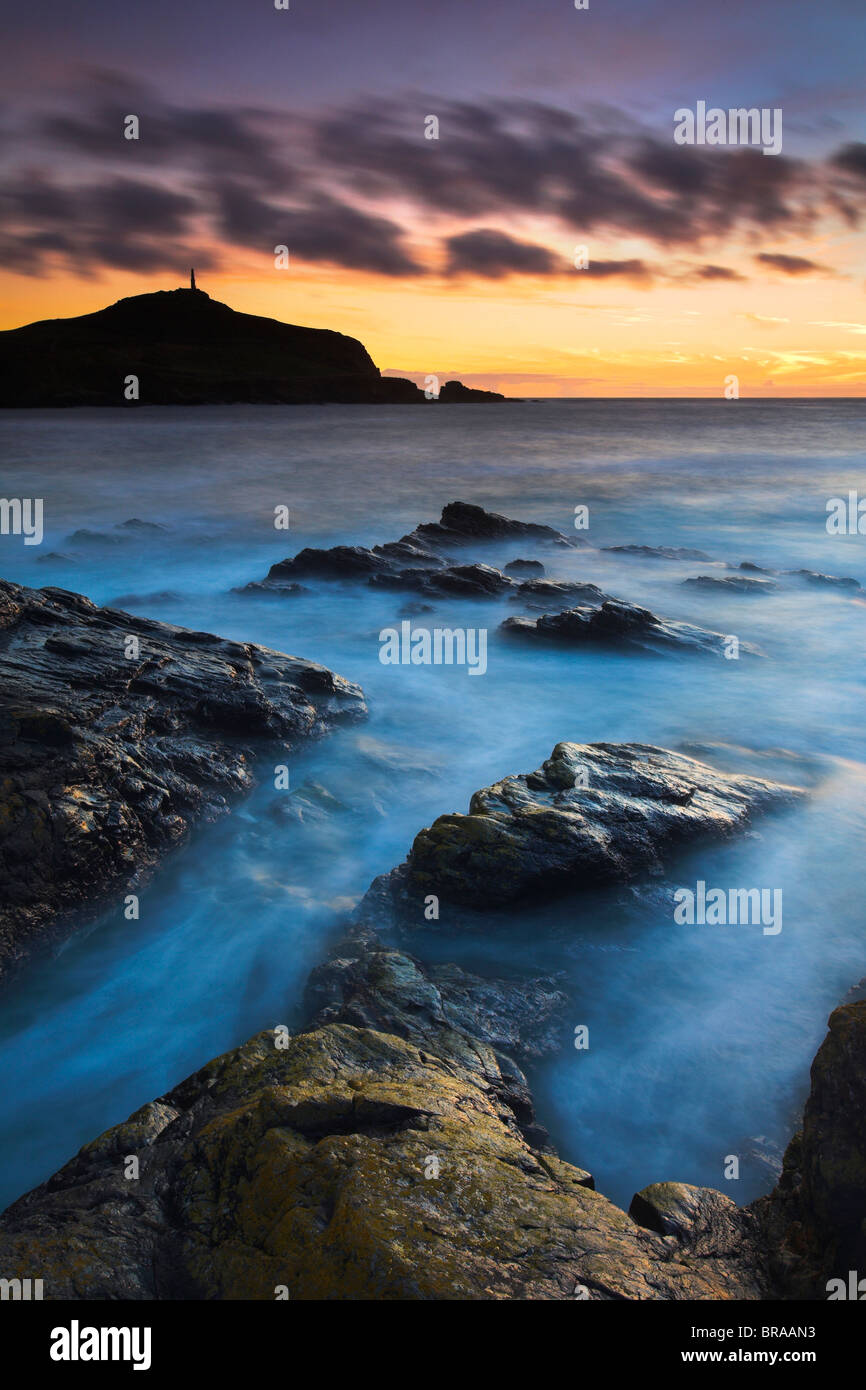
[390, 1148]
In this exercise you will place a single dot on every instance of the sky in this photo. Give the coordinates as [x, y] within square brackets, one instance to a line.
[555, 239]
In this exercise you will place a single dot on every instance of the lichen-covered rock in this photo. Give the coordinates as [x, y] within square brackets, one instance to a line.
[592, 814]
[116, 734]
[349, 1165]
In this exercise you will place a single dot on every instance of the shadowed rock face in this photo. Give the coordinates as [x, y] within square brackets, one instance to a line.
[620, 624]
[816, 1216]
[106, 760]
[539, 833]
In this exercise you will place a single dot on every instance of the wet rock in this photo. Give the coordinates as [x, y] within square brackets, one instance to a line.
[593, 814]
[340, 562]
[463, 521]
[107, 760]
[658, 552]
[825, 581]
[524, 567]
[371, 985]
[730, 583]
[459, 581]
[620, 624]
[539, 593]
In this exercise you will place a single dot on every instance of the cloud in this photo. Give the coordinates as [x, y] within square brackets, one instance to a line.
[790, 265]
[493, 255]
[349, 186]
[717, 272]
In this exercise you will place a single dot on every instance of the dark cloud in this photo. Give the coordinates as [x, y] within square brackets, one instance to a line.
[852, 158]
[325, 231]
[493, 255]
[717, 272]
[322, 184]
[789, 265]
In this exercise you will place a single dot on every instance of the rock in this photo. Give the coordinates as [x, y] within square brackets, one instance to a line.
[825, 581]
[463, 521]
[658, 552]
[455, 393]
[350, 1165]
[524, 567]
[620, 624]
[816, 1217]
[539, 833]
[409, 562]
[373, 986]
[106, 761]
[340, 562]
[459, 581]
[731, 583]
[702, 1221]
[538, 593]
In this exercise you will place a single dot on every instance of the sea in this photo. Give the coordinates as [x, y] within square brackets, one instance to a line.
[699, 1037]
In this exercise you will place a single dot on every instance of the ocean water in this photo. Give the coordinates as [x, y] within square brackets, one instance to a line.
[700, 1037]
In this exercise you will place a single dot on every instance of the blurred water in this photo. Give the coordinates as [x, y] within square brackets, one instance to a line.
[700, 1037]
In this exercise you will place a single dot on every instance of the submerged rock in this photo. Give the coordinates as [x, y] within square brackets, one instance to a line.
[620, 624]
[593, 814]
[117, 733]
[731, 583]
[658, 552]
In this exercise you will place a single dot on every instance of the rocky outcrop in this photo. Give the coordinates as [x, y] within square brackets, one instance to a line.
[620, 624]
[593, 814]
[117, 733]
[416, 561]
[347, 1164]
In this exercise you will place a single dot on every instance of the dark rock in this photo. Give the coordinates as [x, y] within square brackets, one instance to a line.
[825, 581]
[463, 521]
[460, 581]
[455, 393]
[340, 562]
[619, 624]
[540, 833]
[538, 593]
[106, 762]
[524, 567]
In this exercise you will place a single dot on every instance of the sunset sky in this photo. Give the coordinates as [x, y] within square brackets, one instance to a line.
[455, 257]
